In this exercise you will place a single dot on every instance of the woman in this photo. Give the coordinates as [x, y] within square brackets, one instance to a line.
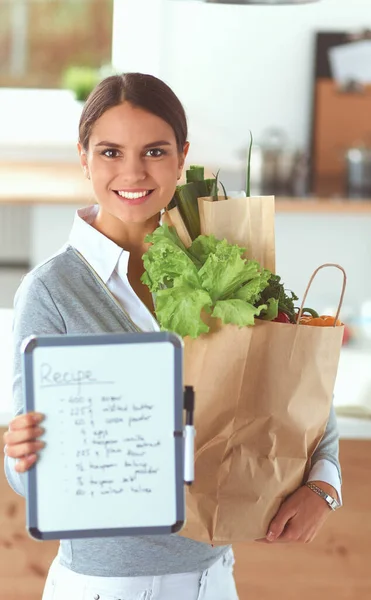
[132, 145]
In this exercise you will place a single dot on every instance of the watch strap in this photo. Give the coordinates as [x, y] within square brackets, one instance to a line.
[332, 502]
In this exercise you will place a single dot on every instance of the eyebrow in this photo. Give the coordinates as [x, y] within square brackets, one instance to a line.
[151, 145]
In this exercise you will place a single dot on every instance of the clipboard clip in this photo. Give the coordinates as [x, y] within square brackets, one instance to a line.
[189, 436]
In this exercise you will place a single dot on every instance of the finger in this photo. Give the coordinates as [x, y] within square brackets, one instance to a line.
[291, 533]
[21, 450]
[279, 523]
[25, 421]
[22, 435]
[24, 464]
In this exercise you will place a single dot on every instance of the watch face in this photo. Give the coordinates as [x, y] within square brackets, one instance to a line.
[333, 503]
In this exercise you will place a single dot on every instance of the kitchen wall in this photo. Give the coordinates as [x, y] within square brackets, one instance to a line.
[235, 67]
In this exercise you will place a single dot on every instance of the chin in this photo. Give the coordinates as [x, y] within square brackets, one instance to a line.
[139, 215]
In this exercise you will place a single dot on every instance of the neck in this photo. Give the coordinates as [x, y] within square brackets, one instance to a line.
[129, 236]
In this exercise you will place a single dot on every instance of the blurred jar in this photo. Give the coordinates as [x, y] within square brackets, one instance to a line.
[276, 168]
[358, 163]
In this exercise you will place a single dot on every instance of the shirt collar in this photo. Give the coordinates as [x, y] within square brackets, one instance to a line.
[100, 252]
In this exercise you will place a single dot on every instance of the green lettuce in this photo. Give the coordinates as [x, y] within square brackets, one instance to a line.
[237, 312]
[225, 271]
[252, 290]
[205, 245]
[271, 311]
[179, 309]
[209, 277]
[166, 261]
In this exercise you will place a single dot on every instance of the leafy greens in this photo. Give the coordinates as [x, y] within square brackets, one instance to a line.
[209, 277]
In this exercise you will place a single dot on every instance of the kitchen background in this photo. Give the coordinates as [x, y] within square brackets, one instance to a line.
[236, 69]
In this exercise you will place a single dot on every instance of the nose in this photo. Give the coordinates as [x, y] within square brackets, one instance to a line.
[132, 169]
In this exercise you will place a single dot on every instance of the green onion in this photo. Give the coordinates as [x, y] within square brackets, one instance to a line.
[249, 167]
[224, 191]
[215, 190]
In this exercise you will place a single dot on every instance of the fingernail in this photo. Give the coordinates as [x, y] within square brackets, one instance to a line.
[37, 417]
[270, 536]
[31, 457]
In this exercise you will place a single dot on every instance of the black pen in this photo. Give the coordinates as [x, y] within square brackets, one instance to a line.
[189, 436]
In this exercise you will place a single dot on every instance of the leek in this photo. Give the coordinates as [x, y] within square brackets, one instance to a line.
[186, 199]
[195, 173]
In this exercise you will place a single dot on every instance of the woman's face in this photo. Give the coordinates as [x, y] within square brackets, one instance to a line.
[133, 163]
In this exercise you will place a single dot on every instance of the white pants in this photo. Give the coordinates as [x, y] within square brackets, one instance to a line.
[216, 583]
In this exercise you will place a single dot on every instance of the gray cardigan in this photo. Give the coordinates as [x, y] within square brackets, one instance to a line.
[61, 296]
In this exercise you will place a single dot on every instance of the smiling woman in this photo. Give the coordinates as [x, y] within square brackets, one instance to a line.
[132, 146]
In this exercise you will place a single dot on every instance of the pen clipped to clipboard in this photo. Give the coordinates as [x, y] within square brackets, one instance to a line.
[189, 436]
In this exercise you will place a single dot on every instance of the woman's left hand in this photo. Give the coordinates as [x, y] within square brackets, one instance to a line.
[300, 517]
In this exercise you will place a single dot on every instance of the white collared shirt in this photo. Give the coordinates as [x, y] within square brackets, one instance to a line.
[110, 262]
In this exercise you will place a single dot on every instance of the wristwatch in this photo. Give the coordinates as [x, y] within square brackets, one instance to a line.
[332, 502]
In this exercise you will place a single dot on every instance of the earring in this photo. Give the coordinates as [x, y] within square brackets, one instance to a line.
[86, 173]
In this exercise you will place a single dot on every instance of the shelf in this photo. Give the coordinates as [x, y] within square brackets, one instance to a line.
[322, 205]
[64, 183]
[29, 183]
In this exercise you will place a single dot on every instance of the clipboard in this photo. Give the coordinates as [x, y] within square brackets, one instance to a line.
[113, 464]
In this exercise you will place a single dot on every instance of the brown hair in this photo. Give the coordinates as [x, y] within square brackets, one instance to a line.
[144, 91]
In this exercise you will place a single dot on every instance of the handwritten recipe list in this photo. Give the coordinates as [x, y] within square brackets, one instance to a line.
[109, 433]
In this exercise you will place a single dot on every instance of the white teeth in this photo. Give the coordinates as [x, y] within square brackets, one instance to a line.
[133, 195]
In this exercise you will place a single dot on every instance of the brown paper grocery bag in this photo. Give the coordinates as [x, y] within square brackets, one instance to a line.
[173, 218]
[248, 222]
[263, 396]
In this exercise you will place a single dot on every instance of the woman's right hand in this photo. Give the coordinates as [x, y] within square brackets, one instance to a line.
[21, 440]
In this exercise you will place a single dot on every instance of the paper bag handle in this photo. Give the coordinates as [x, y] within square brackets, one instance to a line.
[309, 286]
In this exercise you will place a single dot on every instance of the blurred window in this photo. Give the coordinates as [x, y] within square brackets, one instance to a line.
[41, 39]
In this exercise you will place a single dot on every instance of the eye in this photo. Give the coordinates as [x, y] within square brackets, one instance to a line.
[110, 153]
[155, 153]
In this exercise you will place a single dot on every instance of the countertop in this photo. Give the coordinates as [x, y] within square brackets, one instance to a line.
[64, 183]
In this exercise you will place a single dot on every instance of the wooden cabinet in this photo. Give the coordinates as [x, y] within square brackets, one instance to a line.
[336, 565]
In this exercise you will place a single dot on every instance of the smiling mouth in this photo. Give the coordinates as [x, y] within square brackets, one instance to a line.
[133, 195]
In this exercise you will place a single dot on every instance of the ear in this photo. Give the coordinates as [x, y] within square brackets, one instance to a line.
[83, 159]
[182, 158]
